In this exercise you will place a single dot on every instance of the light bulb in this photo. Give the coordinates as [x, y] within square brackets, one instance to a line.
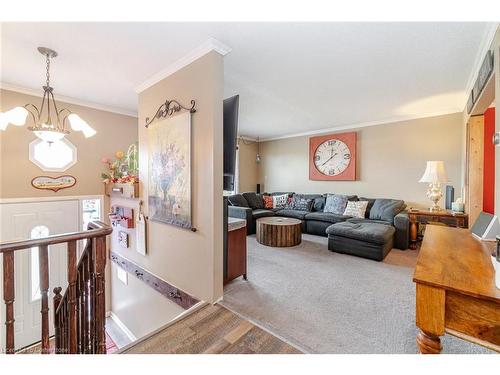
[17, 116]
[3, 121]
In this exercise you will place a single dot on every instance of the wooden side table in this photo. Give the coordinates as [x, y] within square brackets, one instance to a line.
[450, 218]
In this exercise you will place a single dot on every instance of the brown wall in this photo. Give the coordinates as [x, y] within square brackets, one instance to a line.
[114, 132]
[248, 168]
[391, 160]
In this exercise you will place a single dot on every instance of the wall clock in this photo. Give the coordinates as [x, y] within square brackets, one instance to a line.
[332, 157]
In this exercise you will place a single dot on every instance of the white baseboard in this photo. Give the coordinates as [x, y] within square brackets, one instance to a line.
[122, 326]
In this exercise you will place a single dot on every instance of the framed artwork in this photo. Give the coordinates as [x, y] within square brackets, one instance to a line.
[332, 157]
[169, 170]
[53, 183]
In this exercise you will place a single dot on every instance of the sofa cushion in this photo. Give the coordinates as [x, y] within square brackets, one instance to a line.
[292, 213]
[386, 209]
[369, 207]
[254, 200]
[237, 200]
[326, 217]
[367, 232]
[258, 213]
[319, 203]
[357, 220]
[335, 203]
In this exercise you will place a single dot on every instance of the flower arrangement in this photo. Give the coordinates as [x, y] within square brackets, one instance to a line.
[124, 168]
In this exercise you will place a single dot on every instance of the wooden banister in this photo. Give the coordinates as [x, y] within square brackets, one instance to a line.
[79, 313]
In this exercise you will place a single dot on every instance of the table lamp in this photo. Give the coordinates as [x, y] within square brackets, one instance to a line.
[434, 175]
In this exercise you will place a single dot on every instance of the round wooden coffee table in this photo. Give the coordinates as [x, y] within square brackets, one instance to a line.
[278, 231]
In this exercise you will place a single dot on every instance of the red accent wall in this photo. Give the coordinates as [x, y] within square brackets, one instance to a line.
[489, 162]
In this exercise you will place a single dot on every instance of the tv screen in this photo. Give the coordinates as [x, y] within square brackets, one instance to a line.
[230, 124]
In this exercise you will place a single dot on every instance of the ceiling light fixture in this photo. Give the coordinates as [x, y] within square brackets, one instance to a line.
[49, 121]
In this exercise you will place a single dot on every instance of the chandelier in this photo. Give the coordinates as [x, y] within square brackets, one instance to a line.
[49, 120]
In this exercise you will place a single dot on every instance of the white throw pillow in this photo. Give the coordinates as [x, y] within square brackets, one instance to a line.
[280, 201]
[356, 209]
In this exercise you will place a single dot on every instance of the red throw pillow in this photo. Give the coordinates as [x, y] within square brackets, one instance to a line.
[268, 201]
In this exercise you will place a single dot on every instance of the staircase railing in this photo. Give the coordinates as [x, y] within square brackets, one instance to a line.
[79, 313]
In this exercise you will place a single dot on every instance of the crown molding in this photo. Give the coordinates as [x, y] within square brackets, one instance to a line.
[210, 45]
[68, 99]
[484, 46]
[361, 125]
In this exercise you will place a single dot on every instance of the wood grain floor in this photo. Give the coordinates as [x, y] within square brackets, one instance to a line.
[212, 330]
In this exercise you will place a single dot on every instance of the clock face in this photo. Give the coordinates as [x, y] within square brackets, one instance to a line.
[332, 157]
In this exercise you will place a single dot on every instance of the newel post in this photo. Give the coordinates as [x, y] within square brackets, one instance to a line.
[100, 309]
[8, 296]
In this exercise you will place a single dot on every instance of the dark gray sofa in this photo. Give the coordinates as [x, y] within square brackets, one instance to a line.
[250, 206]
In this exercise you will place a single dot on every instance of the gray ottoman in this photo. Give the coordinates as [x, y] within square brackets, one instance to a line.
[367, 240]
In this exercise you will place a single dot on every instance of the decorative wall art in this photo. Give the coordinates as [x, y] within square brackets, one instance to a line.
[169, 174]
[53, 183]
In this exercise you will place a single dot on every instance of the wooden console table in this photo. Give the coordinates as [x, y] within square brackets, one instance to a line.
[447, 217]
[455, 290]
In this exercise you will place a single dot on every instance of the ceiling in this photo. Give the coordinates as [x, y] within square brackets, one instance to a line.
[291, 77]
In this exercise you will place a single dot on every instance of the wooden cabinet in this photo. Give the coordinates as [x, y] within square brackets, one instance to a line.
[236, 262]
[474, 168]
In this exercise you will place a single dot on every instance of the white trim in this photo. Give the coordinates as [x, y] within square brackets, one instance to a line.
[211, 44]
[49, 199]
[122, 326]
[361, 125]
[484, 46]
[68, 100]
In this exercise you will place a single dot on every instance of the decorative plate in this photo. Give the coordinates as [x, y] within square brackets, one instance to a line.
[53, 183]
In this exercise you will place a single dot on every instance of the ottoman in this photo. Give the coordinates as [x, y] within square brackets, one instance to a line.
[367, 240]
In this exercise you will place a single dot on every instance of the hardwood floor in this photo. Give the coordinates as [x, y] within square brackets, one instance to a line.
[212, 330]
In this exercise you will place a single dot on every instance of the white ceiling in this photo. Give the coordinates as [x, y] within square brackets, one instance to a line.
[291, 77]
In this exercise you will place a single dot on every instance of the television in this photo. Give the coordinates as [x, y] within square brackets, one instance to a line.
[230, 125]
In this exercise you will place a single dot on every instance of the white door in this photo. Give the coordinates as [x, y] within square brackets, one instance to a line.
[35, 220]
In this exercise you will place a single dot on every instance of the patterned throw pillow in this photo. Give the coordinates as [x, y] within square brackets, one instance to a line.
[302, 204]
[336, 203]
[268, 201]
[280, 201]
[356, 209]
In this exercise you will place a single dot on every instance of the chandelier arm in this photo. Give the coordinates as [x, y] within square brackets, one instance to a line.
[65, 118]
[56, 110]
[41, 107]
[28, 106]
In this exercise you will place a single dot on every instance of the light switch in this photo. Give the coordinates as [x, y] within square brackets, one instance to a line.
[122, 275]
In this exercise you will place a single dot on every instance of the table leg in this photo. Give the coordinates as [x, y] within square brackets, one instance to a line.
[428, 343]
[413, 235]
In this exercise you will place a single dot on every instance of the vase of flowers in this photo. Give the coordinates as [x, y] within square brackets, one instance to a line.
[121, 177]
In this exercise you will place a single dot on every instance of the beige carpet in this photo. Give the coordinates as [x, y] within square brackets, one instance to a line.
[325, 302]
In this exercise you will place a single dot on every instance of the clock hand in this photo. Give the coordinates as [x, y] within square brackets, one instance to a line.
[328, 159]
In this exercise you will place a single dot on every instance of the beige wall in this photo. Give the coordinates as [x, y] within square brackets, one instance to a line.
[114, 132]
[192, 261]
[248, 168]
[391, 160]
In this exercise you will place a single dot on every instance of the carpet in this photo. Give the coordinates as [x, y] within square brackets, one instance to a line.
[324, 302]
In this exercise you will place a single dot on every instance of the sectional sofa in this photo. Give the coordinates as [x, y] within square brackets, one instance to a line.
[388, 212]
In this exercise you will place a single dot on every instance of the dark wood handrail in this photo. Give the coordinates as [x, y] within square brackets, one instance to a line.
[79, 313]
[98, 229]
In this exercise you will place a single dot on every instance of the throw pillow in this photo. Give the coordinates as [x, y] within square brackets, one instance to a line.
[280, 201]
[386, 209]
[303, 204]
[335, 203]
[268, 201]
[237, 200]
[356, 209]
[254, 200]
[370, 205]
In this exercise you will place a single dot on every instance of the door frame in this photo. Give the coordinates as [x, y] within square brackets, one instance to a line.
[79, 198]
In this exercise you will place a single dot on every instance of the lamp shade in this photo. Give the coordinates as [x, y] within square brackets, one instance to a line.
[434, 173]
